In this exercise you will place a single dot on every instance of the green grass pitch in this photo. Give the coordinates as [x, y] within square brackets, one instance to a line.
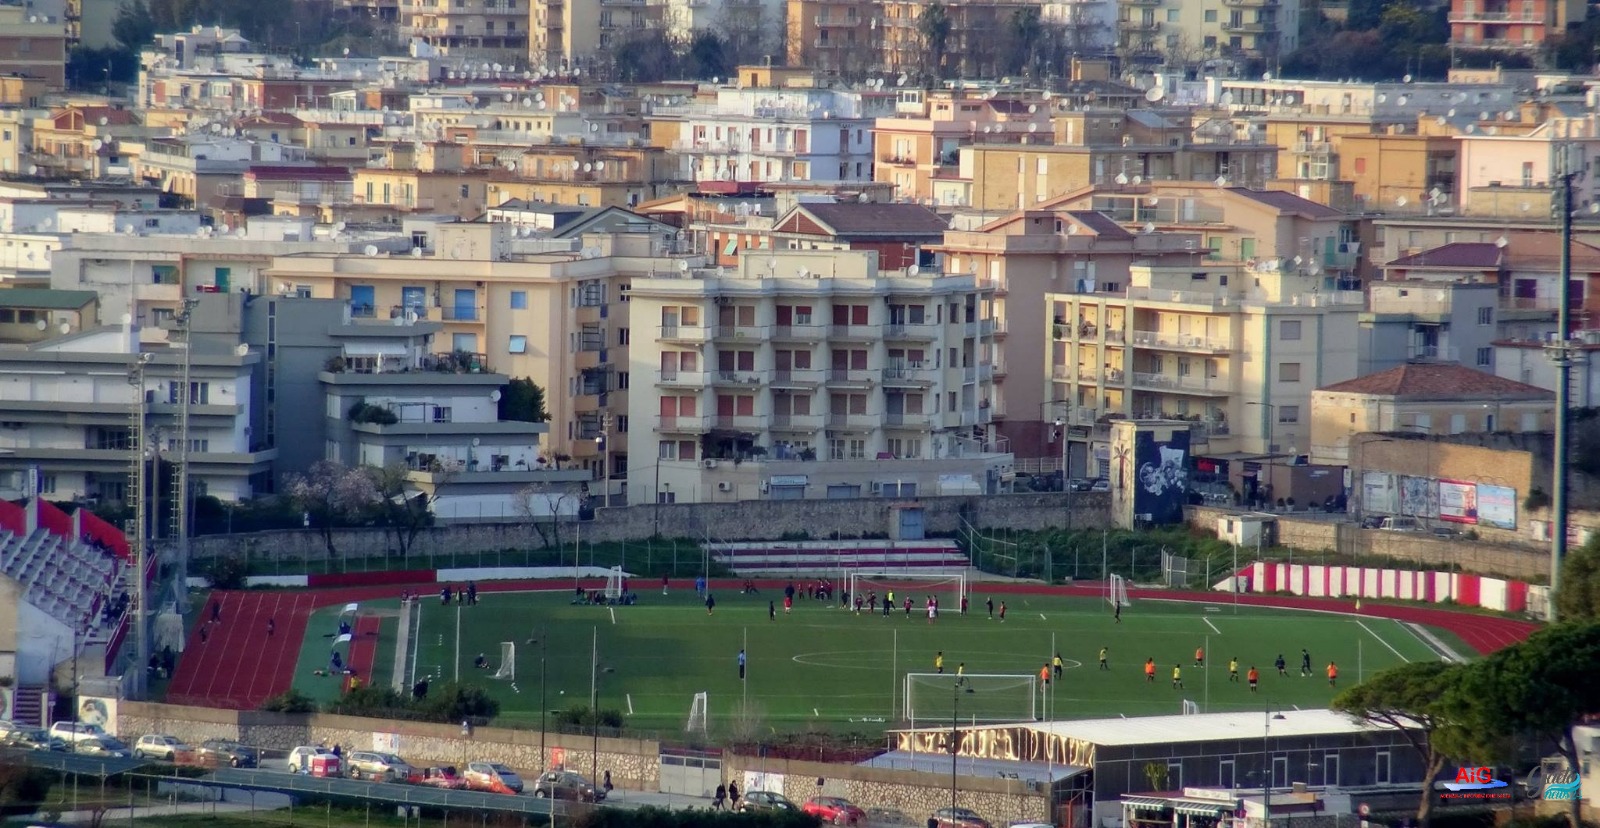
[826, 667]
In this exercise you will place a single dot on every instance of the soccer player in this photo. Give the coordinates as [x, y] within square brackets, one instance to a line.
[1150, 671]
[1199, 656]
[1002, 611]
[1044, 675]
[989, 602]
[872, 602]
[1057, 665]
[1233, 669]
[938, 662]
[772, 611]
[741, 665]
[1177, 677]
[961, 669]
[963, 605]
[1333, 674]
[788, 604]
[933, 611]
[1305, 662]
[1117, 613]
[908, 606]
[1103, 664]
[1253, 676]
[711, 603]
[1281, 665]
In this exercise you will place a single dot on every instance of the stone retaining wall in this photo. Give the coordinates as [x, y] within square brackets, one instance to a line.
[912, 793]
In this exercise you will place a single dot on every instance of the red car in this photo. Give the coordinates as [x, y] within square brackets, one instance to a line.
[836, 810]
[445, 778]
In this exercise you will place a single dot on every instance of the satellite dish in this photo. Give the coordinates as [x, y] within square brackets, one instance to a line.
[33, 169]
[64, 328]
[224, 229]
[1222, 181]
[338, 226]
[99, 145]
[1033, 127]
[599, 165]
[1149, 227]
[241, 349]
[683, 265]
[1406, 79]
[1072, 229]
[1266, 76]
[1297, 261]
[1383, 97]
[1152, 201]
[1502, 242]
[494, 396]
[41, 324]
[416, 252]
[587, 167]
[901, 81]
[1155, 93]
[370, 250]
[127, 319]
[1032, 108]
[1122, 178]
[507, 97]
[1451, 113]
[1138, 179]
[1401, 201]
[913, 270]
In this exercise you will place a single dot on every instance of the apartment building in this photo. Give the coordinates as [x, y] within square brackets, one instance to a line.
[33, 45]
[911, 152]
[83, 141]
[432, 178]
[1525, 166]
[67, 406]
[198, 168]
[1389, 172]
[1426, 398]
[1101, 147]
[833, 37]
[1149, 31]
[571, 34]
[1236, 351]
[808, 374]
[469, 28]
[1512, 25]
[1524, 270]
[895, 232]
[1430, 321]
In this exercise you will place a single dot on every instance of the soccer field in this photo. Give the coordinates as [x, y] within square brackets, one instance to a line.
[827, 667]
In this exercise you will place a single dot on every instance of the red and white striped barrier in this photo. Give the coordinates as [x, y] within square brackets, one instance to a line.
[1462, 588]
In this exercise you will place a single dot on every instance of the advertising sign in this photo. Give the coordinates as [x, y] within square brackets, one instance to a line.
[1419, 497]
[1378, 493]
[1497, 506]
[1458, 501]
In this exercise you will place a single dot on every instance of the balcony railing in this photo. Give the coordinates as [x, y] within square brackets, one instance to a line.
[1313, 147]
[797, 422]
[1249, 26]
[1441, 353]
[796, 377]
[751, 378]
[921, 331]
[753, 332]
[905, 375]
[850, 376]
[854, 420]
[1172, 382]
[740, 422]
[804, 333]
[684, 425]
[361, 311]
[1177, 341]
[685, 333]
[461, 313]
[855, 331]
[681, 378]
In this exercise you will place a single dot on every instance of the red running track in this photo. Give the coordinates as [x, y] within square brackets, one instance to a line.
[239, 666]
[364, 646]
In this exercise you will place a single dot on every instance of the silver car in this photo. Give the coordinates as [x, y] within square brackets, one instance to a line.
[384, 767]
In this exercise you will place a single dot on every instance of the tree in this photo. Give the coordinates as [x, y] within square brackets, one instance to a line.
[401, 508]
[522, 400]
[934, 27]
[708, 56]
[1578, 594]
[330, 494]
[541, 505]
[1027, 37]
[1538, 689]
[646, 57]
[1420, 701]
[134, 25]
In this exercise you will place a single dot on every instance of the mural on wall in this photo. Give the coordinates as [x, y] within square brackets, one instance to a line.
[99, 710]
[1419, 497]
[1497, 506]
[1163, 474]
[1458, 501]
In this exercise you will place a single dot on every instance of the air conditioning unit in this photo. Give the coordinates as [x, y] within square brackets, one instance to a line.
[877, 488]
[724, 486]
[708, 464]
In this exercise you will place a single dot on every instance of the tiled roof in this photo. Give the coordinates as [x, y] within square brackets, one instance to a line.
[1438, 381]
[1288, 202]
[858, 219]
[1475, 255]
[1102, 224]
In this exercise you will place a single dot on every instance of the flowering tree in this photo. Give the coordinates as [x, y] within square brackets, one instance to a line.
[331, 493]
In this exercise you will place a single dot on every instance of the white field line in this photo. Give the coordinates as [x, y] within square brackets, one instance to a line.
[1382, 641]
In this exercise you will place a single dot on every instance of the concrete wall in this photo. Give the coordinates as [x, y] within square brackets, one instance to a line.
[746, 520]
[913, 793]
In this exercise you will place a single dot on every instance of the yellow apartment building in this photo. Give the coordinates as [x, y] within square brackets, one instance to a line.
[498, 28]
[910, 152]
[832, 37]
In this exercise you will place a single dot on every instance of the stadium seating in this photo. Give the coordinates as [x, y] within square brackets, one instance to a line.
[66, 578]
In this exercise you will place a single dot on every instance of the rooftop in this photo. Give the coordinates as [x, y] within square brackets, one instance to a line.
[1288, 202]
[846, 219]
[1438, 381]
[1207, 727]
[46, 299]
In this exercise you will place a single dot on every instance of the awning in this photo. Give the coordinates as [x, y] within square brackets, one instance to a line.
[1146, 803]
[370, 348]
[1201, 808]
[731, 248]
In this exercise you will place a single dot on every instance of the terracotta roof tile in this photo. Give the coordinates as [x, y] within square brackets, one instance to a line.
[1438, 381]
[857, 219]
[1476, 255]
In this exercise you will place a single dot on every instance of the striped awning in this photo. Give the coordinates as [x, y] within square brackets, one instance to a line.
[1147, 803]
[1190, 807]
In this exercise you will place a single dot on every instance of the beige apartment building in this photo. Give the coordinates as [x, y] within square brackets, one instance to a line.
[911, 152]
[560, 319]
[571, 33]
[469, 28]
[810, 374]
[1238, 352]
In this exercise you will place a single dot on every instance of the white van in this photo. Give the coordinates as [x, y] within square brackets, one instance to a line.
[1400, 523]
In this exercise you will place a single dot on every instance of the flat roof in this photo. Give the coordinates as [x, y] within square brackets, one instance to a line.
[46, 299]
[969, 766]
[1205, 727]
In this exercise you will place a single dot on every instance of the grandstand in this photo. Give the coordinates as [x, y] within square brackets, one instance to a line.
[929, 557]
[66, 575]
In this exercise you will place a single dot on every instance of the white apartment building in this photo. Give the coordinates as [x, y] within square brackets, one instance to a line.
[776, 134]
[811, 374]
[1238, 352]
[67, 410]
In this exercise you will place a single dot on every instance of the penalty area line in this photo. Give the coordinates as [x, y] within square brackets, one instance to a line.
[1382, 641]
[1211, 625]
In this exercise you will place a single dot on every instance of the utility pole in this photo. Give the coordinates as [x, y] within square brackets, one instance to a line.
[180, 476]
[1561, 352]
[605, 459]
[139, 486]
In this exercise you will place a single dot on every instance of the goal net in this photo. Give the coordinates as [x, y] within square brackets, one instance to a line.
[697, 715]
[508, 662]
[938, 697]
[948, 588]
[614, 579]
[1117, 592]
[1190, 708]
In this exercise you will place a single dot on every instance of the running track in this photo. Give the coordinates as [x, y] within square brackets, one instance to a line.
[239, 666]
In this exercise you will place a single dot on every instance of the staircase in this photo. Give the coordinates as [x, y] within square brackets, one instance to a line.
[28, 706]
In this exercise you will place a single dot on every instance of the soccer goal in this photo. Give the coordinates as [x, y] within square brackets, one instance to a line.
[614, 581]
[508, 662]
[697, 715]
[1117, 592]
[949, 587]
[992, 697]
[1190, 708]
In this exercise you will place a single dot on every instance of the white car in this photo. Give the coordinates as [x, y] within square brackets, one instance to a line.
[74, 732]
[159, 746]
[300, 757]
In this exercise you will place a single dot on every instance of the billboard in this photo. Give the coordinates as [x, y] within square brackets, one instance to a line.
[1458, 501]
[1162, 478]
[1497, 506]
[1419, 497]
[1378, 493]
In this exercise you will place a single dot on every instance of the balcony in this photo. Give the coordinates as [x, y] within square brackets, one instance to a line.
[745, 378]
[913, 332]
[825, 22]
[1253, 4]
[1139, 3]
[854, 421]
[856, 377]
[461, 313]
[683, 425]
[798, 333]
[1189, 384]
[681, 379]
[401, 311]
[1250, 26]
[684, 333]
[1318, 148]
[1139, 25]
[897, 160]
[796, 378]
[1483, 17]
[1433, 353]
[739, 422]
[796, 422]
[751, 332]
[913, 419]
[983, 327]
[978, 373]
[359, 311]
[861, 332]
[909, 376]
[1162, 341]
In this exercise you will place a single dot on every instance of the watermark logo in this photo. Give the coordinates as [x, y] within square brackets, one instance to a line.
[1477, 783]
[1560, 784]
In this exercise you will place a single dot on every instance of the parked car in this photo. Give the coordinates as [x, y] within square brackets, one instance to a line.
[159, 746]
[567, 785]
[446, 778]
[492, 777]
[765, 801]
[1444, 532]
[834, 809]
[1100, 485]
[102, 746]
[959, 818]
[30, 738]
[227, 752]
[384, 767]
[74, 732]
[1400, 523]
[300, 760]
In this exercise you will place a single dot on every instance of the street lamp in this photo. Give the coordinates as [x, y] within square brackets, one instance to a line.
[1066, 467]
[140, 484]
[544, 707]
[1266, 765]
[955, 734]
[594, 705]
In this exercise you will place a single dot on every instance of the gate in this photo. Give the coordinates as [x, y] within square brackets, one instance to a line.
[690, 772]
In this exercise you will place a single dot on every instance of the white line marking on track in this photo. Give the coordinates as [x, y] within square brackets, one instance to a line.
[613, 614]
[1382, 641]
[1211, 625]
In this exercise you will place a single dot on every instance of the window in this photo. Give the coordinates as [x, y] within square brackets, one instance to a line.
[1288, 413]
[519, 300]
[1485, 357]
[1458, 423]
[1289, 330]
[442, 414]
[1288, 372]
[519, 344]
[199, 393]
[466, 190]
[1211, 15]
[1172, 15]
[1485, 317]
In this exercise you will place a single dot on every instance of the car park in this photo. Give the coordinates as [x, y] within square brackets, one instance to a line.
[834, 809]
[568, 785]
[492, 777]
[959, 818]
[160, 746]
[227, 752]
[384, 767]
[765, 801]
[31, 738]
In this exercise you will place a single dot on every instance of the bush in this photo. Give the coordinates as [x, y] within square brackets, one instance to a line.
[292, 701]
[22, 788]
[363, 412]
[226, 572]
[449, 703]
[586, 717]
